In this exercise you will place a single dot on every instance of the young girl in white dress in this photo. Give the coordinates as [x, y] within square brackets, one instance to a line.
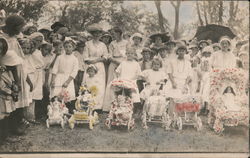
[154, 77]
[205, 68]
[63, 73]
[94, 84]
[130, 70]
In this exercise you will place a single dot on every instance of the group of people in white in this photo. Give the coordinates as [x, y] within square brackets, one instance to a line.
[40, 63]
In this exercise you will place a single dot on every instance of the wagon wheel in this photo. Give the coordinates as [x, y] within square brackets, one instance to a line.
[108, 124]
[211, 120]
[71, 125]
[198, 124]
[47, 123]
[62, 124]
[179, 123]
[144, 120]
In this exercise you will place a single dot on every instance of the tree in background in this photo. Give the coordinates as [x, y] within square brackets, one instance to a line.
[176, 6]
[30, 10]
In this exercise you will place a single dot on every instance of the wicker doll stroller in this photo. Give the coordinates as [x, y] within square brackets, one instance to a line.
[156, 107]
[84, 106]
[122, 107]
[57, 110]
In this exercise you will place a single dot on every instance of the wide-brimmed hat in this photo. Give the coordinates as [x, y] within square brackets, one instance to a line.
[180, 47]
[164, 36]
[137, 35]
[13, 21]
[207, 49]
[225, 38]
[94, 28]
[192, 45]
[146, 49]
[56, 26]
[106, 34]
[93, 67]
[203, 41]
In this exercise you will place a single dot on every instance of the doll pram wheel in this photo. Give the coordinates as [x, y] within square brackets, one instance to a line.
[179, 123]
[131, 124]
[198, 124]
[47, 123]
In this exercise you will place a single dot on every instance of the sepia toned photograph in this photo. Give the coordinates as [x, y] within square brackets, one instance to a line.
[107, 78]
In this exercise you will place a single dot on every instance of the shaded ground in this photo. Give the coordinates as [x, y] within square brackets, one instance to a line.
[154, 139]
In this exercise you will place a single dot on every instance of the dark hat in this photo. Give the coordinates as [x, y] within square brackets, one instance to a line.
[80, 44]
[146, 49]
[203, 41]
[107, 35]
[14, 21]
[117, 29]
[163, 36]
[56, 26]
[94, 28]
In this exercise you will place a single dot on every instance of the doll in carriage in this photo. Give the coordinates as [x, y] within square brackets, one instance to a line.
[155, 109]
[122, 107]
[84, 109]
[229, 101]
[57, 111]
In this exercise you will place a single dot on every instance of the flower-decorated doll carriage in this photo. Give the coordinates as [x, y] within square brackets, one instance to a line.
[57, 110]
[84, 109]
[228, 99]
[186, 112]
[156, 107]
[121, 112]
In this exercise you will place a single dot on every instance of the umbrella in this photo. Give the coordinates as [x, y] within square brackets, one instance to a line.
[164, 36]
[213, 32]
[122, 83]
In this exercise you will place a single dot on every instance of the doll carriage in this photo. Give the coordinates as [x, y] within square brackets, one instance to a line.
[156, 107]
[57, 110]
[84, 106]
[228, 99]
[122, 107]
[186, 112]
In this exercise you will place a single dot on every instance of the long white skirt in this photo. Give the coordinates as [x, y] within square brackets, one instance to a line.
[59, 81]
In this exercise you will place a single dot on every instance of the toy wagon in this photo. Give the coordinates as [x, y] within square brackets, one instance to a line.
[186, 112]
[155, 110]
[122, 107]
[229, 101]
[84, 113]
[57, 111]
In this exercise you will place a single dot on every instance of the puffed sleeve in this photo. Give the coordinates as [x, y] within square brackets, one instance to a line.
[75, 67]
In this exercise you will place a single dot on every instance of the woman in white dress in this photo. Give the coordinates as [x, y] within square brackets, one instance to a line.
[117, 50]
[96, 53]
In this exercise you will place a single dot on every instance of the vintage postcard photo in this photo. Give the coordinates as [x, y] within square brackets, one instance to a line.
[106, 78]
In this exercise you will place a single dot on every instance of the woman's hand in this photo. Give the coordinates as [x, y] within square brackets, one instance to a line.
[31, 87]
[66, 84]
[174, 85]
